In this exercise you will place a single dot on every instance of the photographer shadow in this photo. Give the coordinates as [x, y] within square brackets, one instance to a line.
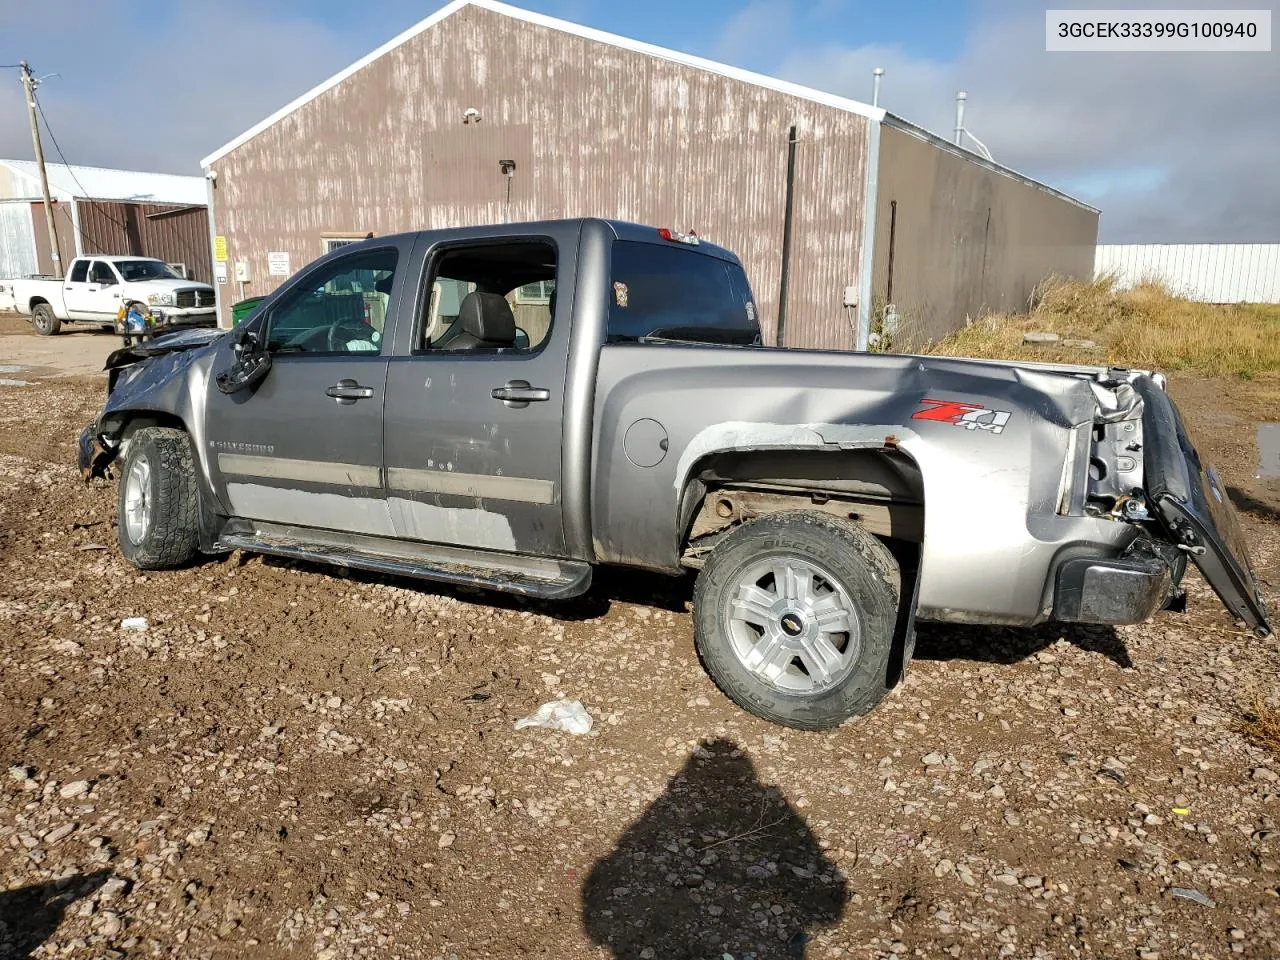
[718, 864]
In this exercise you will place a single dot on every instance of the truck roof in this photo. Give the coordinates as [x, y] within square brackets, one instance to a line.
[621, 229]
[115, 258]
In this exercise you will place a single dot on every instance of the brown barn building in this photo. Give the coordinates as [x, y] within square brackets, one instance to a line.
[485, 113]
[100, 210]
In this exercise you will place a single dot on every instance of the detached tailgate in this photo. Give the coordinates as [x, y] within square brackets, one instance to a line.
[1193, 505]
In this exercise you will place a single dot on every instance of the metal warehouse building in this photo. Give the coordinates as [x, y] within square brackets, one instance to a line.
[99, 210]
[485, 113]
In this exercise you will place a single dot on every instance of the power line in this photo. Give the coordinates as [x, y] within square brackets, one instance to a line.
[71, 171]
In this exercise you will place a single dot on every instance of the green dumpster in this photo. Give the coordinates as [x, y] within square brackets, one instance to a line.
[242, 309]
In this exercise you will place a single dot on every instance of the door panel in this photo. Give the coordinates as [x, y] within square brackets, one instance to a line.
[475, 402]
[290, 453]
[78, 294]
[466, 468]
[305, 446]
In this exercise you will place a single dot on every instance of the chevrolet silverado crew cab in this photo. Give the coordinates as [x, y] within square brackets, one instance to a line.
[512, 406]
[95, 288]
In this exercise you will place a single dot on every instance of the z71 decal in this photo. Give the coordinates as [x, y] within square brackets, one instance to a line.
[971, 416]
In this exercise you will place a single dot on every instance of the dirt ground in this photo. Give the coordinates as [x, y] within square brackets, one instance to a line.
[292, 762]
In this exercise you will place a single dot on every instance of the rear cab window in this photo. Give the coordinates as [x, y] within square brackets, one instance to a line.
[675, 292]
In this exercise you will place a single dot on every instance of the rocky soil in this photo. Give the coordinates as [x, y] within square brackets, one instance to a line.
[289, 762]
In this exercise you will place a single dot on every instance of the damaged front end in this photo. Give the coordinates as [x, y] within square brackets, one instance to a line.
[94, 455]
[1135, 463]
[142, 378]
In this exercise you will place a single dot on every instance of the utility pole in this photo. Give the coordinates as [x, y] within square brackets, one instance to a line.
[29, 85]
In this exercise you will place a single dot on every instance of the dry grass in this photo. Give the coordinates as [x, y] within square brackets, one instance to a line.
[1262, 723]
[1146, 327]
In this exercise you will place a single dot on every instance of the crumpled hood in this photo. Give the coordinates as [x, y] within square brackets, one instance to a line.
[187, 339]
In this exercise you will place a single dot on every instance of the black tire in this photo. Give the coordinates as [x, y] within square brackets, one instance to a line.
[168, 536]
[835, 555]
[44, 321]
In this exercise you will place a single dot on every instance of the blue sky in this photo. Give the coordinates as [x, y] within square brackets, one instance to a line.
[1172, 147]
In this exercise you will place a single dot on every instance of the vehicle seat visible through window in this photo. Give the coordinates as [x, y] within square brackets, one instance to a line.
[485, 321]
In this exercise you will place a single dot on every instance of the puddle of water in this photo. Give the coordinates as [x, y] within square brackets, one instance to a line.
[6, 382]
[11, 368]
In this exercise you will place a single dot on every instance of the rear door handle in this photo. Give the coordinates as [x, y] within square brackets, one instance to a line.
[518, 393]
[347, 391]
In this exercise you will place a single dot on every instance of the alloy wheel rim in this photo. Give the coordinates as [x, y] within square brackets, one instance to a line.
[137, 500]
[793, 625]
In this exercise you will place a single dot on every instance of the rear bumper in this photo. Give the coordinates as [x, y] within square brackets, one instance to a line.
[1125, 589]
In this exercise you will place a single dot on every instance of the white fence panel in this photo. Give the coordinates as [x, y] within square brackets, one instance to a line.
[1212, 272]
[17, 240]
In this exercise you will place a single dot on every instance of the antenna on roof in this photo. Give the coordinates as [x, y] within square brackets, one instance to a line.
[876, 75]
[960, 130]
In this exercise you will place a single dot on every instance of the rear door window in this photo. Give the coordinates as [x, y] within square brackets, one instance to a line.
[79, 271]
[676, 293]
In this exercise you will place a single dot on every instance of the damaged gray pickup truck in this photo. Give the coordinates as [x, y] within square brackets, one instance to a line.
[512, 406]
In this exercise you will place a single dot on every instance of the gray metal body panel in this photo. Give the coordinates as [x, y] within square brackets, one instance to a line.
[609, 469]
[991, 531]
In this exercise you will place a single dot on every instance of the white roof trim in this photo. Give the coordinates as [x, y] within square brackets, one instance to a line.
[565, 26]
[54, 190]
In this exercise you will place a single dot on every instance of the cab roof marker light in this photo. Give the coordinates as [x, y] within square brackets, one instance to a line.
[674, 236]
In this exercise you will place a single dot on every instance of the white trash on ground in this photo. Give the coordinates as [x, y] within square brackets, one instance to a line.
[134, 623]
[568, 715]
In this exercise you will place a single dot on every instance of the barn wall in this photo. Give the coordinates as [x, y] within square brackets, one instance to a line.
[170, 233]
[969, 239]
[594, 130]
[66, 229]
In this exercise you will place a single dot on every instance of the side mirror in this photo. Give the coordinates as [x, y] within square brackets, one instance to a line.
[251, 365]
[522, 339]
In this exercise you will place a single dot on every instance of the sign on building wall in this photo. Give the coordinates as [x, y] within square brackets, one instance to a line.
[278, 263]
[220, 271]
[220, 249]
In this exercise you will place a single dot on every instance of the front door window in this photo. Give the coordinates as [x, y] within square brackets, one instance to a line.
[342, 309]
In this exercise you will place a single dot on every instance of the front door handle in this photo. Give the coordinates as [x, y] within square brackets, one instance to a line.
[347, 391]
[518, 393]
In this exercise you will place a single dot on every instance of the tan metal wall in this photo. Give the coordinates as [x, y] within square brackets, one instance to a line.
[65, 226]
[969, 240]
[594, 130]
[171, 233]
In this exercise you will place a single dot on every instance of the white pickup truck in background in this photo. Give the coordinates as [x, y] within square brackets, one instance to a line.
[95, 289]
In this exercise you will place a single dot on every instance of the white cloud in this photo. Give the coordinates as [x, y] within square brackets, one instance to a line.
[757, 29]
[147, 94]
[1173, 146]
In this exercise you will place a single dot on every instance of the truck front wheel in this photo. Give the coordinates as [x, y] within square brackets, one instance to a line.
[794, 617]
[43, 319]
[158, 504]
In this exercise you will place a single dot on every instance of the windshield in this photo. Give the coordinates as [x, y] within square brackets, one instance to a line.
[145, 270]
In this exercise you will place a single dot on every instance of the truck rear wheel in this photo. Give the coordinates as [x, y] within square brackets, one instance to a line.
[794, 616]
[158, 504]
[43, 319]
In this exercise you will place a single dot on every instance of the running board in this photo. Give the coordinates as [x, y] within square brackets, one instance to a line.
[508, 573]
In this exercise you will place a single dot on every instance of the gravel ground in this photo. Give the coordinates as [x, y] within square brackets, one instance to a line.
[290, 762]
